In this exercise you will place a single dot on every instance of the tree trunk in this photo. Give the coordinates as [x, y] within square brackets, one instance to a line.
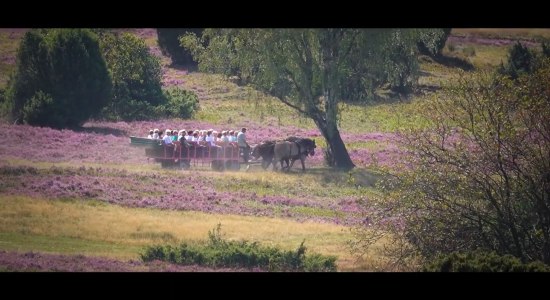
[338, 153]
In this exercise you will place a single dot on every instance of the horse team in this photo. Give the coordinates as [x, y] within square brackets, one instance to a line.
[289, 149]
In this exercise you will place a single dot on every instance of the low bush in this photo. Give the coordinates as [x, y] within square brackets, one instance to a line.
[218, 252]
[478, 261]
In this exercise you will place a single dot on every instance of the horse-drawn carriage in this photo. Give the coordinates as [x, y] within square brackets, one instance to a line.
[229, 157]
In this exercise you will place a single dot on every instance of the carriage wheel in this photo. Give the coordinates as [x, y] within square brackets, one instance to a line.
[229, 164]
[185, 164]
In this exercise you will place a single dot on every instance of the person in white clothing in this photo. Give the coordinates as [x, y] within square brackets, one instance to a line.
[167, 137]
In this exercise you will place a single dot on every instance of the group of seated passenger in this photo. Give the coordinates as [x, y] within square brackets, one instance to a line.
[210, 136]
[199, 138]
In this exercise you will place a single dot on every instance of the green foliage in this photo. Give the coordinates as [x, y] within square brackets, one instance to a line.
[477, 177]
[218, 252]
[168, 41]
[41, 109]
[432, 41]
[61, 71]
[136, 76]
[181, 104]
[478, 261]
[365, 72]
[521, 60]
[400, 60]
[312, 70]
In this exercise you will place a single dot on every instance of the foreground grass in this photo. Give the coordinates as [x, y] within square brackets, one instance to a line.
[99, 229]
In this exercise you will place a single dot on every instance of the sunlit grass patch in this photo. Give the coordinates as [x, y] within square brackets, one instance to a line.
[489, 57]
[316, 212]
[28, 224]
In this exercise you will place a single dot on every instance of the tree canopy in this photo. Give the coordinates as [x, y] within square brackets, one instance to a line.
[311, 70]
[136, 77]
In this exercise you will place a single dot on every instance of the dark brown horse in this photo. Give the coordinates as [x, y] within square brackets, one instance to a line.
[265, 151]
[293, 148]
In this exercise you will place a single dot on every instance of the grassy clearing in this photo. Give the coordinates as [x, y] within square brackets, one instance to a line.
[99, 229]
[486, 56]
[222, 101]
[225, 102]
[317, 182]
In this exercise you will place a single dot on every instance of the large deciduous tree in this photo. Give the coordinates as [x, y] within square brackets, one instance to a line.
[312, 70]
[306, 68]
[301, 67]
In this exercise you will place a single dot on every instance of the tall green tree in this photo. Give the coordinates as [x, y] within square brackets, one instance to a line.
[61, 78]
[304, 68]
[300, 67]
[136, 76]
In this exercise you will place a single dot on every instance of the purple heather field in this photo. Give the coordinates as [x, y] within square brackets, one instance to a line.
[104, 142]
[43, 262]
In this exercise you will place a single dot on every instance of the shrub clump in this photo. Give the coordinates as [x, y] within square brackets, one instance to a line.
[478, 261]
[218, 252]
